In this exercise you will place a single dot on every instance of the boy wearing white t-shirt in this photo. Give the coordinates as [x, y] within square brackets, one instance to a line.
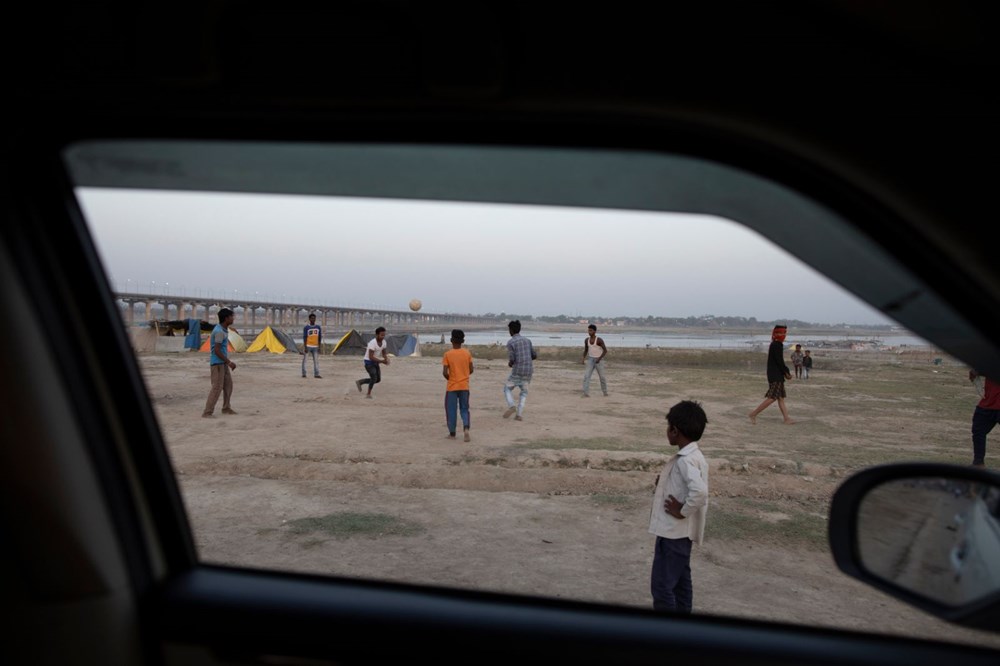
[374, 356]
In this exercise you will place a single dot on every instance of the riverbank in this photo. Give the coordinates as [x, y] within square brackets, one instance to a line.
[311, 477]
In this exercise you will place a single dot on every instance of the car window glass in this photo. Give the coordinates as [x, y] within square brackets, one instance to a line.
[310, 475]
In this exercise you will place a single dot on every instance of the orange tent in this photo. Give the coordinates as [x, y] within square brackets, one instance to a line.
[206, 347]
[236, 342]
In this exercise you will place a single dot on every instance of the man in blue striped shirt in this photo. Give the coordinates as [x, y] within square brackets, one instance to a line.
[520, 354]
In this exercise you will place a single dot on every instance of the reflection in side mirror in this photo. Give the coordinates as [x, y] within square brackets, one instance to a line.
[937, 537]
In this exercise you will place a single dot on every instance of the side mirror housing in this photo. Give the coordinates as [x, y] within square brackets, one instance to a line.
[927, 534]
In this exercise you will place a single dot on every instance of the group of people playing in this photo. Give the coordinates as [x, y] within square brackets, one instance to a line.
[458, 367]
[680, 498]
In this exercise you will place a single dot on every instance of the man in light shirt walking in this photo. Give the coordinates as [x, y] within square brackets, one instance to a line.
[520, 357]
[594, 351]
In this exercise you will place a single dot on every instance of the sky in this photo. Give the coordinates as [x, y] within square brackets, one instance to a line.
[454, 257]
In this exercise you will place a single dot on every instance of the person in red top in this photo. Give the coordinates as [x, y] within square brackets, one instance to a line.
[457, 369]
[986, 416]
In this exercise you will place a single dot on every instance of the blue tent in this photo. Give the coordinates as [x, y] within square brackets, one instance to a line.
[193, 338]
[408, 347]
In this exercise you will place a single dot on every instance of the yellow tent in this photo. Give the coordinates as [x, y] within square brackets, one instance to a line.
[237, 341]
[273, 341]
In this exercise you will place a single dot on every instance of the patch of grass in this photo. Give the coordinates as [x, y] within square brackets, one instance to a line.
[309, 544]
[654, 434]
[347, 524]
[878, 450]
[631, 465]
[762, 505]
[727, 524]
[479, 352]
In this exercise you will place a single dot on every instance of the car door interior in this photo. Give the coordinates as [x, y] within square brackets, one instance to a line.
[100, 566]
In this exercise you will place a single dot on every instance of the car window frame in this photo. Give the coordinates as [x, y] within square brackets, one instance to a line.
[187, 605]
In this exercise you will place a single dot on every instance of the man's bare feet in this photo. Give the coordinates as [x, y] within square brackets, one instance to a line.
[789, 422]
[753, 418]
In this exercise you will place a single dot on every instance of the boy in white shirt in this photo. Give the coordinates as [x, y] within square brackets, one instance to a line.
[680, 504]
[375, 350]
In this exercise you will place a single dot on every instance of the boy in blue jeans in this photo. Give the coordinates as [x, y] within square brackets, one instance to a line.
[680, 504]
[457, 369]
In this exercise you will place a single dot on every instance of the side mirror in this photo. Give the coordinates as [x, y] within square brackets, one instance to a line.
[926, 534]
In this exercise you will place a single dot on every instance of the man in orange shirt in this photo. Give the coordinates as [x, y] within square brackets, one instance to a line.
[458, 368]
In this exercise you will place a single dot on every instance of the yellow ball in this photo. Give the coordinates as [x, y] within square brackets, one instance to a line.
[415, 304]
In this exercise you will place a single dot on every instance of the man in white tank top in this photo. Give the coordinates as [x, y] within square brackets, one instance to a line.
[593, 351]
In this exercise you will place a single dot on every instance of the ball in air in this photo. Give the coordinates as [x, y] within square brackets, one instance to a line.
[415, 304]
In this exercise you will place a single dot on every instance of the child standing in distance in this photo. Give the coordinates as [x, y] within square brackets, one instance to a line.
[680, 505]
[807, 364]
[797, 357]
[457, 369]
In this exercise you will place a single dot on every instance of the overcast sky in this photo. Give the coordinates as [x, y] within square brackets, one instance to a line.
[455, 257]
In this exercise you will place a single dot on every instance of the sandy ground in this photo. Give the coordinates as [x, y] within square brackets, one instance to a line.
[556, 505]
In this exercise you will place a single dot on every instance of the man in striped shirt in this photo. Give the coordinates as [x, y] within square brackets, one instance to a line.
[520, 354]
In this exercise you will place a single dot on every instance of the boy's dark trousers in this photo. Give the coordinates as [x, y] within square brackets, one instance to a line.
[671, 578]
[983, 421]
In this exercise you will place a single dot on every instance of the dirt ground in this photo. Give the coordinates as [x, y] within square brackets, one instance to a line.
[556, 505]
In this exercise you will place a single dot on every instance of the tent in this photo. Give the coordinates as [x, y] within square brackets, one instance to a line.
[193, 339]
[410, 347]
[394, 344]
[274, 341]
[350, 344]
[178, 326]
[354, 344]
[236, 343]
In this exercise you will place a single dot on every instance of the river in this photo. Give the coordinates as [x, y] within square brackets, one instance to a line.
[633, 339]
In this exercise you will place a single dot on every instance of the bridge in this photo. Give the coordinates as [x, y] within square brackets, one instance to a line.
[278, 314]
